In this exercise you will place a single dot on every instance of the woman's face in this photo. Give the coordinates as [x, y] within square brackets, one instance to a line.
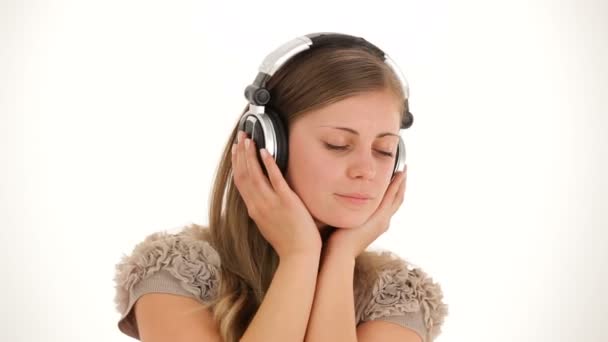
[364, 128]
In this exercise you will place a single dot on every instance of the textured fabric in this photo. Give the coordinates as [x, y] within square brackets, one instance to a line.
[160, 282]
[408, 297]
[411, 320]
[182, 264]
[193, 266]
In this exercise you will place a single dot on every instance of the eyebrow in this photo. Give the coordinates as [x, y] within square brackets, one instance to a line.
[350, 130]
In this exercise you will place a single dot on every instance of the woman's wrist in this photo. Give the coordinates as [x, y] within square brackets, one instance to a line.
[331, 252]
[302, 255]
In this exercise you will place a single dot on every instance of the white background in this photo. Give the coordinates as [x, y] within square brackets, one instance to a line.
[113, 113]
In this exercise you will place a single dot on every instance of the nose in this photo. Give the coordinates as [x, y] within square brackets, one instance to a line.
[362, 166]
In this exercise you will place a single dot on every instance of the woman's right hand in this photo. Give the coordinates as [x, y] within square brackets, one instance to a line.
[278, 211]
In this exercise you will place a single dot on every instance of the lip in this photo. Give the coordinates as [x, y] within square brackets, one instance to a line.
[356, 195]
[354, 198]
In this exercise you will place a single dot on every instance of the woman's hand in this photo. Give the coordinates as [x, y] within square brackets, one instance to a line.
[279, 213]
[350, 242]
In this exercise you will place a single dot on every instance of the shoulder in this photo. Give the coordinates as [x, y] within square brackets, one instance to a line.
[181, 262]
[406, 295]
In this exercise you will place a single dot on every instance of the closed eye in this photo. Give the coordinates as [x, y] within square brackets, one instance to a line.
[342, 148]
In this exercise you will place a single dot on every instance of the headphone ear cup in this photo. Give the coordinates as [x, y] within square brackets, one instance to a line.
[281, 135]
[251, 124]
[400, 157]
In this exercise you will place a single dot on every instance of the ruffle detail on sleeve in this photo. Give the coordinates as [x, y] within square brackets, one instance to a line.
[403, 290]
[192, 261]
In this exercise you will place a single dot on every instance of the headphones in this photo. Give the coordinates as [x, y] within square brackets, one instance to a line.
[267, 127]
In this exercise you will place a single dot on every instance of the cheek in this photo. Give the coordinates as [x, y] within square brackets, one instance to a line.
[312, 176]
[386, 180]
[387, 174]
[311, 170]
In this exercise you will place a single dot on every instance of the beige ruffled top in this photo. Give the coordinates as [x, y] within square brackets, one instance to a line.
[183, 264]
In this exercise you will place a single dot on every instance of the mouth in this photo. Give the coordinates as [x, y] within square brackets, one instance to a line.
[354, 198]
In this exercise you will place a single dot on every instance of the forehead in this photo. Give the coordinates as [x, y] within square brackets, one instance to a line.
[369, 111]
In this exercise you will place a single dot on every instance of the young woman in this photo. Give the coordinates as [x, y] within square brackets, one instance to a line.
[310, 176]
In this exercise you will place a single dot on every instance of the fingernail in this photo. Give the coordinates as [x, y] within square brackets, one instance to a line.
[239, 136]
[247, 143]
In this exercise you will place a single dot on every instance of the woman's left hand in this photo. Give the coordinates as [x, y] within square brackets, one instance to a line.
[350, 242]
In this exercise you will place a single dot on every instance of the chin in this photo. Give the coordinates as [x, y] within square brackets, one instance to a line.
[346, 220]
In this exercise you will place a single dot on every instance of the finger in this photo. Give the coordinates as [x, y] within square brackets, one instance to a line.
[247, 186]
[239, 171]
[400, 194]
[393, 198]
[381, 217]
[389, 195]
[393, 188]
[274, 173]
[242, 174]
[240, 168]
[259, 183]
[236, 170]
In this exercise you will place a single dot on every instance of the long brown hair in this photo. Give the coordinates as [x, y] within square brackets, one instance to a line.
[310, 80]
